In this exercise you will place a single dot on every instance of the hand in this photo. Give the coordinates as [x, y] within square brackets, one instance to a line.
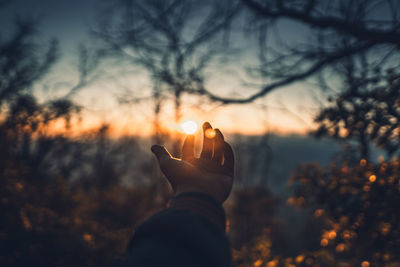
[212, 173]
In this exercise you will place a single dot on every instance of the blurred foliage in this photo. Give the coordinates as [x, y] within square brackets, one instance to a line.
[350, 206]
[65, 201]
[48, 216]
[23, 61]
[366, 116]
[356, 205]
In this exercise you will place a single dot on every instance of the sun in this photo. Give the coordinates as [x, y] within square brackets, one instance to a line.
[188, 127]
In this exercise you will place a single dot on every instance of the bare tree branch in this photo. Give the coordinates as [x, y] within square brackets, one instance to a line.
[318, 66]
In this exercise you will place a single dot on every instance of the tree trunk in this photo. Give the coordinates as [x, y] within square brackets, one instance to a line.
[178, 116]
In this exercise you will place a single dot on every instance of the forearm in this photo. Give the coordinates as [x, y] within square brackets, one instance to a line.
[190, 232]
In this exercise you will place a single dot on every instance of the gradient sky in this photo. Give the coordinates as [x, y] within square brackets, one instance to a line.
[286, 110]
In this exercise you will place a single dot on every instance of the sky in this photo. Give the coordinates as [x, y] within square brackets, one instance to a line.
[287, 110]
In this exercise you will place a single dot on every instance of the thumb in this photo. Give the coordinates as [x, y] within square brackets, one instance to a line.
[160, 152]
[166, 165]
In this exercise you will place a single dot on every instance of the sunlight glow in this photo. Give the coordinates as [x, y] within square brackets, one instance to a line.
[188, 127]
[210, 133]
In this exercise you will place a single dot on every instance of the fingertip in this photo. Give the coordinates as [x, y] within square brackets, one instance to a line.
[219, 133]
[154, 148]
[207, 125]
[207, 150]
[160, 151]
[188, 147]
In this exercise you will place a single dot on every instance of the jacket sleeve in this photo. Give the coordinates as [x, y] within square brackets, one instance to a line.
[191, 232]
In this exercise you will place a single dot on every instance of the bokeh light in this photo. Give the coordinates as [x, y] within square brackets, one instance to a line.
[210, 133]
[189, 126]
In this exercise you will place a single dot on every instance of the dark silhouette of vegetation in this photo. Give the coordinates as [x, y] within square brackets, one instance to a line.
[334, 31]
[75, 201]
[62, 199]
[63, 202]
[365, 115]
[355, 203]
[22, 61]
[173, 41]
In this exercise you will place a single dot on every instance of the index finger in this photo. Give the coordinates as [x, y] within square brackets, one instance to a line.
[206, 152]
[188, 147]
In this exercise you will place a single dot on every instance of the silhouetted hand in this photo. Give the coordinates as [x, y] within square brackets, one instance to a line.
[212, 173]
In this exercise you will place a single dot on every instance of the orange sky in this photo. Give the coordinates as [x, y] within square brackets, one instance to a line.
[286, 110]
[266, 115]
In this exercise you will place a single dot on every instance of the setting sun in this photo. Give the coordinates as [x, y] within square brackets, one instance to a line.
[189, 127]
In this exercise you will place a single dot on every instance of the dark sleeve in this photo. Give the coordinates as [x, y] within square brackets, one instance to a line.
[191, 232]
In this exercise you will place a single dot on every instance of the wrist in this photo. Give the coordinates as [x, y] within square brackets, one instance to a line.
[218, 195]
[202, 204]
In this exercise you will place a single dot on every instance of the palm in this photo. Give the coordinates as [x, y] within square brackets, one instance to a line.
[211, 173]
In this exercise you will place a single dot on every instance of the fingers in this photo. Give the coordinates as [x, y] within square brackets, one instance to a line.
[188, 148]
[206, 152]
[218, 146]
[161, 153]
[229, 159]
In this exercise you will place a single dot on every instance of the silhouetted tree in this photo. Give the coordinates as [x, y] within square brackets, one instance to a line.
[23, 61]
[62, 199]
[354, 197]
[332, 32]
[173, 41]
[365, 115]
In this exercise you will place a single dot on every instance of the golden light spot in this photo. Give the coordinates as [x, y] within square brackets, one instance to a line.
[365, 264]
[299, 258]
[318, 212]
[343, 132]
[257, 263]
[300, 201]
[344, 219]
[332, 235]
[372, 178]
[227, 225]
[340, 247]
[19, 187]
[309, 261]
[210, 133]
[324, 242]
[385, 228]
[381, 159]
[366, 188]
[363, 162]
[395, 162]
[25, 220]
[87, 237]
[386, 256]
[383, 167]
[346, 235]
[188, 127]
[272, 263]
[291, 201]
